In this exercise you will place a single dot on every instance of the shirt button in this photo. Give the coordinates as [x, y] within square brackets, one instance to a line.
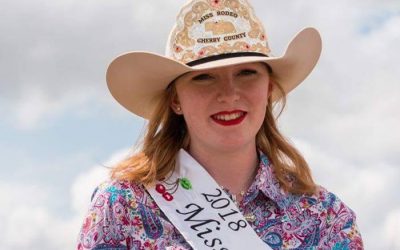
[250, 217]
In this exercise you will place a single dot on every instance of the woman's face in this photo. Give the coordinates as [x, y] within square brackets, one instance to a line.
[223, 108]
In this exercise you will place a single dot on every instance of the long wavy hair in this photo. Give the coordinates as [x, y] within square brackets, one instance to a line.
[167, 133]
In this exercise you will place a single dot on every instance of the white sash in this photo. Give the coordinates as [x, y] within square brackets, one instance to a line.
[201, 210]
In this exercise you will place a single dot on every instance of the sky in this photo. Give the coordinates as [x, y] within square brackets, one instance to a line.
[61, 130]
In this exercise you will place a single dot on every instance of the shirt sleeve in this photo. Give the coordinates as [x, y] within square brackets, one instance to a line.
[113, 221]
[343, 232]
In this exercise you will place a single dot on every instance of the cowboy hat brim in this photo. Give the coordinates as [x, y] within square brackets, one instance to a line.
[137, 79]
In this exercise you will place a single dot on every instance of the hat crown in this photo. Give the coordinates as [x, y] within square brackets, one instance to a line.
[206, 28]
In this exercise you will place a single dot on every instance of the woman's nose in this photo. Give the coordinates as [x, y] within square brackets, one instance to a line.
[227, 91]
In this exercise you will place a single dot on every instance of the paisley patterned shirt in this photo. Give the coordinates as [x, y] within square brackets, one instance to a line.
[123, 215]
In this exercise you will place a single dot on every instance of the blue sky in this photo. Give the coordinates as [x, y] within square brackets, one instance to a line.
[60, 125]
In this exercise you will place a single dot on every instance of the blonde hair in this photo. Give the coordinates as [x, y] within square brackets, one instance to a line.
[167, 133]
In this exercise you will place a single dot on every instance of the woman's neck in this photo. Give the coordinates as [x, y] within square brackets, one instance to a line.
[234, 170]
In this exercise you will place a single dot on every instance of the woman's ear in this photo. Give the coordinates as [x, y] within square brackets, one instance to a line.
[270, 87]
[176, 106]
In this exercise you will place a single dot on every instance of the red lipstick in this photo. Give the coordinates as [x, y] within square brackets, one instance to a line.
[229, 118]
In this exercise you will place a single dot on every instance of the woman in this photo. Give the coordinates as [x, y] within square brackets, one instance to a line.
[214, 172]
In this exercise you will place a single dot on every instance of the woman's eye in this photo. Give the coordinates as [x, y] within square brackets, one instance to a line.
[202, 77]
[247, 72]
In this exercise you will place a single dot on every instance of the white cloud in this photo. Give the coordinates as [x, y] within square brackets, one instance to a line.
[84, 184]
[348, 105]
[33, 106]
[54, 66]
[392, 229]
[28, 223]
[370, 190]
[344, 117]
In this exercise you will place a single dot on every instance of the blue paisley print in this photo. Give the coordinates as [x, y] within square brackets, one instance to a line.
[123, 215]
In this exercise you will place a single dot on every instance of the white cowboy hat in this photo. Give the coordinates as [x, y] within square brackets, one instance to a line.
[209, 34]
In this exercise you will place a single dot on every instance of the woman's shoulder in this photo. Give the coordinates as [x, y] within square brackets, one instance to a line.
[126, 193]
[340, 228]
[118, 214]
[330, 201]
[337, 220]
[324, 202]
[322, 217]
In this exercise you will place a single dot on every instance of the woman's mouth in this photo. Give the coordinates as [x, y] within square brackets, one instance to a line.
[229, 118]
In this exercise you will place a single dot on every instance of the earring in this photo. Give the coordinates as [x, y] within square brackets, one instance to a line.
[178, 109]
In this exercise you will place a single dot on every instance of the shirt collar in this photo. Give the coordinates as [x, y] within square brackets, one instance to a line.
[266, 183]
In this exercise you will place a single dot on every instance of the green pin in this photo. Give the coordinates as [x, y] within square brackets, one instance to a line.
[185, 183]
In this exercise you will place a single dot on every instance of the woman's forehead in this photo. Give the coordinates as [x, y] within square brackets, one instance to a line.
[253, 65]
